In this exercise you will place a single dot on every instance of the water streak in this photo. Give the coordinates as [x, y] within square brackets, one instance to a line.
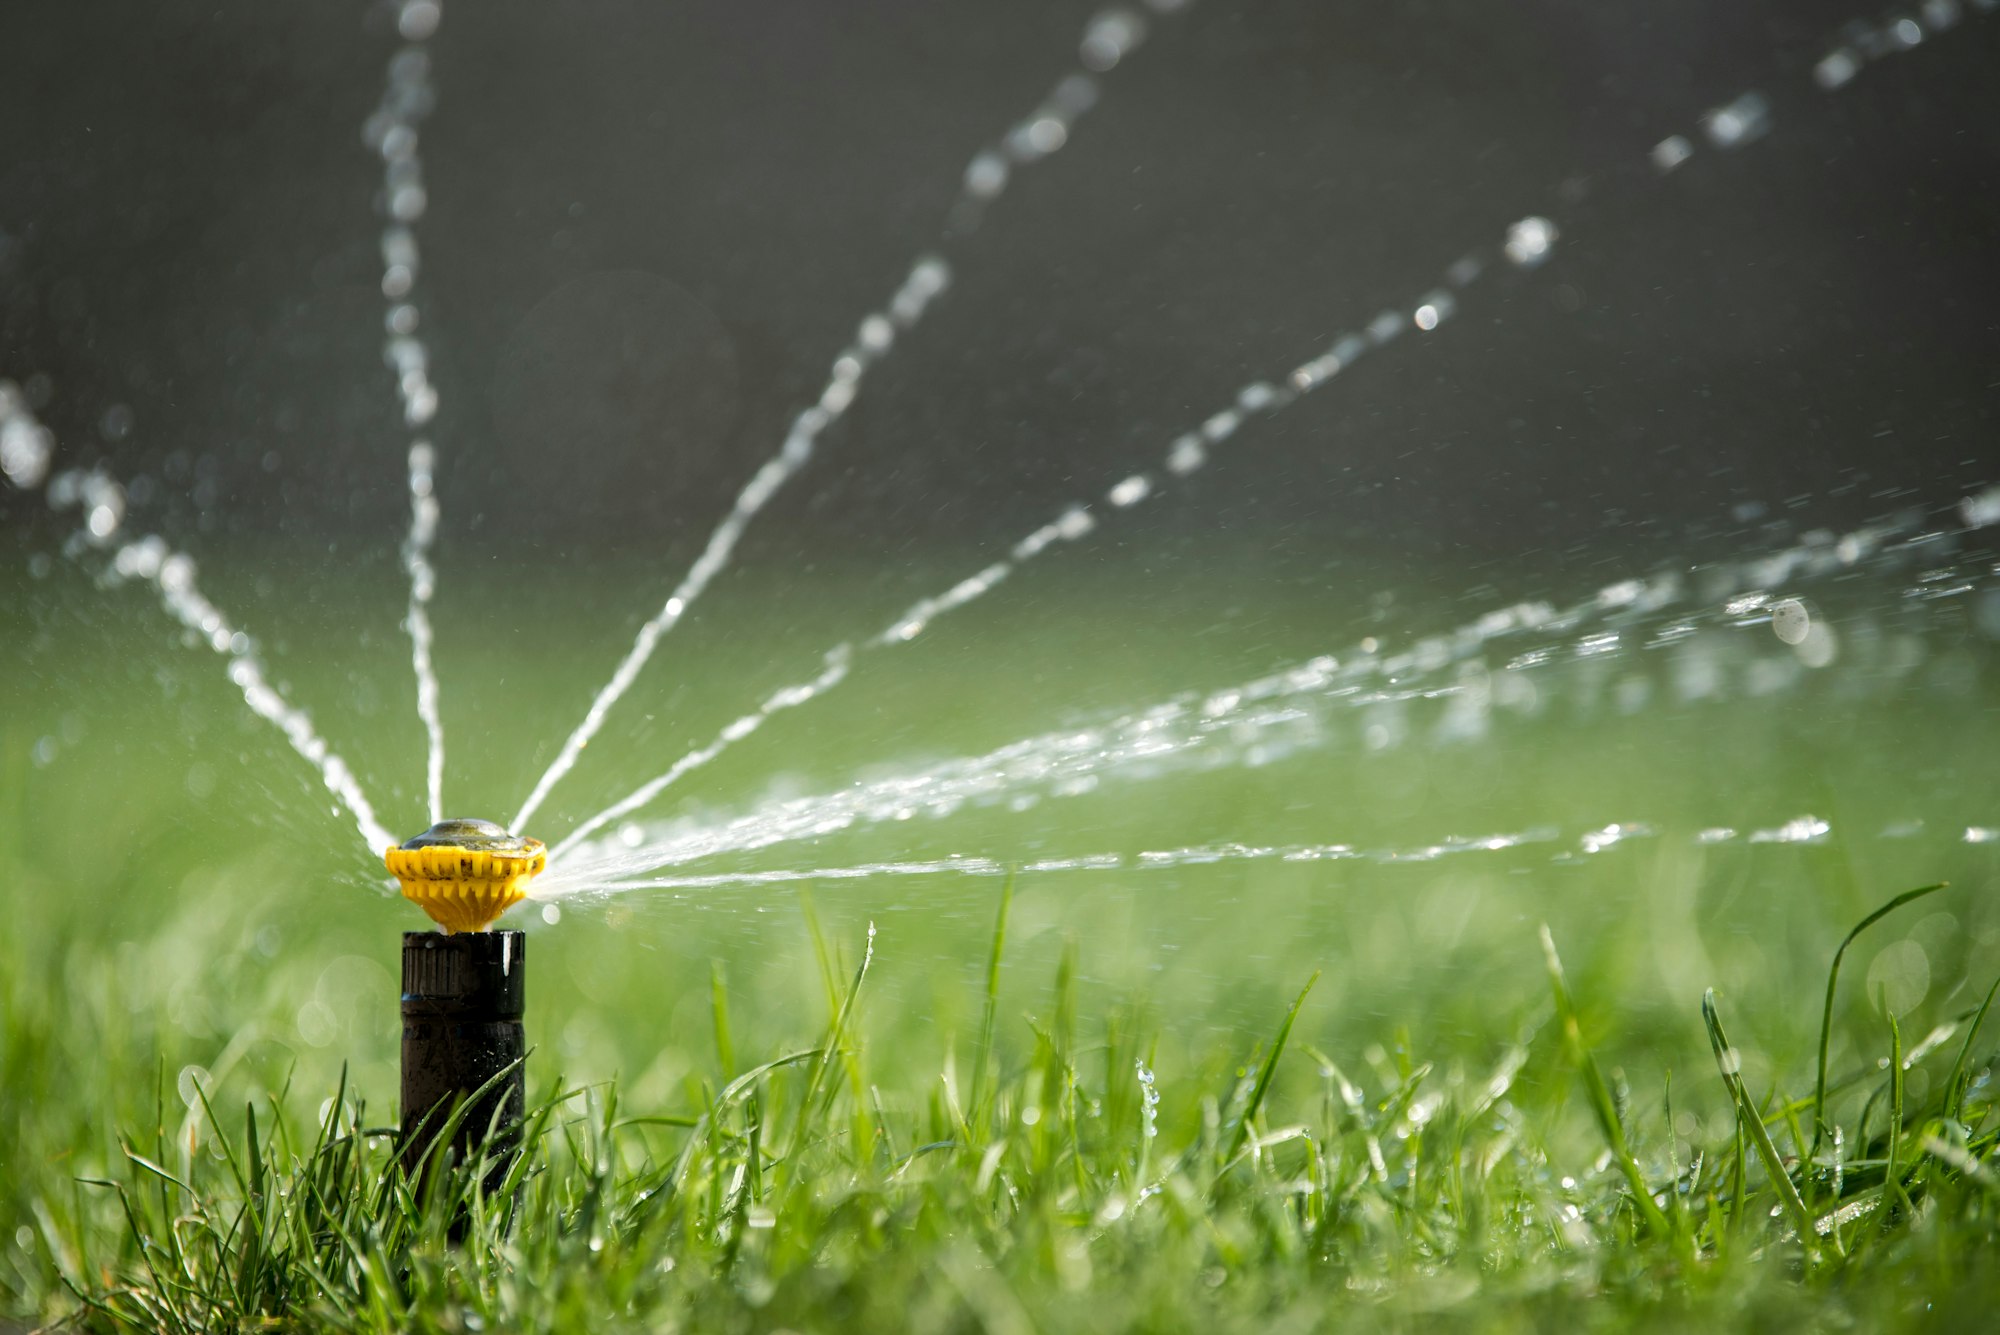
[1694, 620]
[1187, 453]
[1862, 43]
[791, 697]
[1149, 860]
[1561, 846]
[423, 582]
[1106, 41]
[173, 573]
[26, 448]
[1698, 634]
[1527, 244]
[391, 131]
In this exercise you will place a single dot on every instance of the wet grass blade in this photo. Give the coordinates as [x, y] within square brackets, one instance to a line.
[1264, 1072]
[1826, 1012]
[832, 1049]
[1601, 1101]
[1893, 1193]
[1954, 1086]
[1752, 1122]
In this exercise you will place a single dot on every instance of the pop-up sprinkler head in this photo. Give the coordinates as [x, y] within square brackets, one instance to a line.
[466, 873]
[464, 991]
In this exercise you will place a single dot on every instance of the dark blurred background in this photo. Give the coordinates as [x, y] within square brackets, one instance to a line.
[651, 227]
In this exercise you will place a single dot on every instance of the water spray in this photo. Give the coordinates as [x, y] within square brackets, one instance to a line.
[464, 989]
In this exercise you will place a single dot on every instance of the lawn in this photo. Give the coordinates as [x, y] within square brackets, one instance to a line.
[1249, 1093]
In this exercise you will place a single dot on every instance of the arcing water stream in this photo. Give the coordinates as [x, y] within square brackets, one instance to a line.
[1867, 607]
[1151, 736]
[1881, 602]
[392, 133]
[1106, 42]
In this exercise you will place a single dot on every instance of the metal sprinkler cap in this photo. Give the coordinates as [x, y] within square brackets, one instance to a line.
[466, 873]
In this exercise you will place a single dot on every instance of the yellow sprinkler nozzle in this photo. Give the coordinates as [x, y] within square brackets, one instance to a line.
[466, 873]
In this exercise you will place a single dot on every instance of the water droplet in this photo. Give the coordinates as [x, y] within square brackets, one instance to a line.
[1108, 38]
[1436, 309]
[1530, 240]
[1736, 124]
[1671, 152]
[1791, 621]
[191, 1079]
[1981, 510]
[418, 19]
[1131, 491]
[1899, 977]
[1820, 646]
[1186, 455]
[1836, 69]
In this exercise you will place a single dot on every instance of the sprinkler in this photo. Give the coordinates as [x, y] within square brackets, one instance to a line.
[463, 988]
[466, 873]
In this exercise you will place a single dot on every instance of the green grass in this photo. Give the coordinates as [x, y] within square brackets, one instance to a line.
[1484, 1092]
[1025, 1189]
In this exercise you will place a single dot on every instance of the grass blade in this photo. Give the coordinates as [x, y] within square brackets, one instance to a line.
[1954, 1089]
[1601, 1101]
[1892, 1179]
[831, 1049]
[988, 1019]
[1264, 1072]
[1748, 1118]
[1826, 1014]
[718, 996]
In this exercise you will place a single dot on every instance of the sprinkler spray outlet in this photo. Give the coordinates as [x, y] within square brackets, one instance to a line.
[464, 991]
[466, 873]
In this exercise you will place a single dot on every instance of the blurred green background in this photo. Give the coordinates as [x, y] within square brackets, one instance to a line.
[182, 896]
